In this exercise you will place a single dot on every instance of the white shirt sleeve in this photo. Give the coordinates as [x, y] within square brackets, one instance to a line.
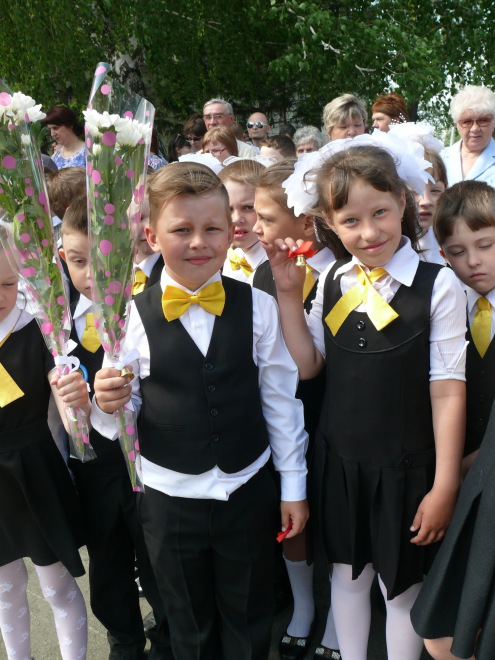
[278, 379]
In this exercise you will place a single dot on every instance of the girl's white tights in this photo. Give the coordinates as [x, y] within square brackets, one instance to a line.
[352, 614]
[60, 590]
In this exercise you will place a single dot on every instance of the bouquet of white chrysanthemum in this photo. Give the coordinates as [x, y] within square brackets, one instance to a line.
[30, 240]
[118, 137]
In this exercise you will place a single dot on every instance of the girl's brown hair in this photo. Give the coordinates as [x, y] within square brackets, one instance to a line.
[272, 178]
[439, 171]
[242, 171]
[376, 167]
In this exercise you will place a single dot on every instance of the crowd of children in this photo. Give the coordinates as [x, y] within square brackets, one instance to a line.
[270, 392]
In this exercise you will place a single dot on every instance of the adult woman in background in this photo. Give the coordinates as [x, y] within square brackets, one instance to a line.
[308, 139]
[194, 130]
[220, 142]
[67, 132]
[389, 109]
[345, 117]
[178, 145]
[473, 156]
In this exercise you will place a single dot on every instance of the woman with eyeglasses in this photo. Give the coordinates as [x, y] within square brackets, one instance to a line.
[473, 156]
[220, 142]
[194, 130]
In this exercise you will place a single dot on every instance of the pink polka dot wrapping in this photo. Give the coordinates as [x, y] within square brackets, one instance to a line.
[89, 168]
[136, 445]
[123, 226]
[46, 328]
[105, 89]
[29, 272]
[130, 174]
[96, 322]
[106, 247]
[118, 160]
[115, 317]
[129, 114]
[5, 99]
[25, 238]
[132, 455]
[127, 290]
[40, 223]
[121, 323]
[47, 280]
[27, 180]
[109, 300]
[11, 127]
[99, 70]
[9, 162]
[108, 220]
[88, 143]
[29, 191]
[61, 300]
[115, 287]
[107, 273]
[109, 208]
[21, 217]
[95, 177]
[45, 242]
[109, 138]
[130, 429]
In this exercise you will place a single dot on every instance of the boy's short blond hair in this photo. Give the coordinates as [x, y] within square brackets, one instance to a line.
[183, 178]
[76, 217]
[62, 186]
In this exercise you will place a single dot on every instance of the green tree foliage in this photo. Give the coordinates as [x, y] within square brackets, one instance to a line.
[283, 56]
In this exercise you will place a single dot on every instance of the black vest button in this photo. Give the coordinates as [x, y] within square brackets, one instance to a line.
[208, 366]
[482, 373]
[481, 422]
[215, 438]
[481, 397]
[214, 412]
[362, 342]
[360, 325]
[407, 462]
[211, 388]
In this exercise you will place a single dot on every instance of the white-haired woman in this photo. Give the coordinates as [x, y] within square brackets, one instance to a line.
[473, 156]
[308, 139]
[345, 117]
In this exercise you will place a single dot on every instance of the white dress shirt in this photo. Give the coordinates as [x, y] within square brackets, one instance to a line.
[278, 380]
[447, 317]
[430, 250]
[146, 265]
[255, 256]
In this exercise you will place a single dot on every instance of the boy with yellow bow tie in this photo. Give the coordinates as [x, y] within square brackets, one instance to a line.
[215, 391]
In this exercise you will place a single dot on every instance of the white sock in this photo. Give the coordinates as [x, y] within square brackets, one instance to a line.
[330, 635]
[352, 610]
[14, 610]
[402, 641]
[60, 590]
[301, 582]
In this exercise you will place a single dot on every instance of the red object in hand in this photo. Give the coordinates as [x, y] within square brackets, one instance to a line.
[304, 249]
[281, 535]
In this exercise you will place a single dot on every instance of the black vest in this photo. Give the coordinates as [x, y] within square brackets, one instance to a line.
[109, 457]
[201, 411]
[310, 392]
[377, 406]
[480, 392]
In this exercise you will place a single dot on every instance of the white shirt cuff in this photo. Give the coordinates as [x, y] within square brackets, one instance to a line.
[293, 486]
[103, 422]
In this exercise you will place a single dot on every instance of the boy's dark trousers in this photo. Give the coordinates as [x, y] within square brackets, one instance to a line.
[213, 564]
[115, 545]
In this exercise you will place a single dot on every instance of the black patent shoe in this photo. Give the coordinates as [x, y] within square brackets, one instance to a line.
[292, 648]
[324, 653]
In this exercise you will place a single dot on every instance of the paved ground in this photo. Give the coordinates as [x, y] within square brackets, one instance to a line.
[45, 647]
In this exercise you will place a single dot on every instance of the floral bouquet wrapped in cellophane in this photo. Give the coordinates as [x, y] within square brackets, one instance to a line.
[118, 136]
[30, 243]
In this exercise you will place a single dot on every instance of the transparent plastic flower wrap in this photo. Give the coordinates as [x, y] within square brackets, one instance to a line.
[118, 136]
[30, 244]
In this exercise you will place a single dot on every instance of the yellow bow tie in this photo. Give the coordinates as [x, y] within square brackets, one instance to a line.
[140, 279]
[9, 390]
[378, 309]
[176, 301]
[90, 340]
[237, 262]
[481, 326]
[309, 282]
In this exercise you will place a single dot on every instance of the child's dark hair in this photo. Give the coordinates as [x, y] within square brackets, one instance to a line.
[76, 216]
[183, 178]
[272, 179]
[437, 166]
[281, 143]
[372, 165]
[63, 185]
[470, 201]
